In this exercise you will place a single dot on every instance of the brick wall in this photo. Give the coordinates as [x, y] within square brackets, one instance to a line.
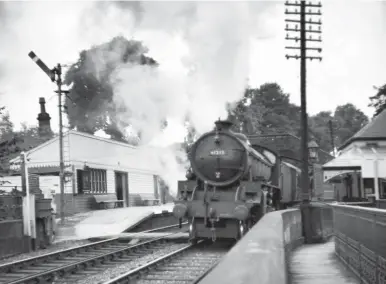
[12, 239]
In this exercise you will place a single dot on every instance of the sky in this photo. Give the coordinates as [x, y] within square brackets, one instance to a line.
[225, 46]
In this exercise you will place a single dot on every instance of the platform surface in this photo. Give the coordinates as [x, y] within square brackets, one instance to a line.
[107, 222]
[318, 264]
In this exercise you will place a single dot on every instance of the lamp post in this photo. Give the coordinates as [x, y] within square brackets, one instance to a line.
[313, 148]
[313, 157]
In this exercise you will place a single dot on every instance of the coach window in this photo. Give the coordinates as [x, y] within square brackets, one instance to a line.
[382, 188]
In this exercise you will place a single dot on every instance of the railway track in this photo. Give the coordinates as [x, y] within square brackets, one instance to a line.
[188, 264]
[72, 264]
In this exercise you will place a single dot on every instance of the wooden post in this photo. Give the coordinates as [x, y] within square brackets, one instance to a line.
[303, 107]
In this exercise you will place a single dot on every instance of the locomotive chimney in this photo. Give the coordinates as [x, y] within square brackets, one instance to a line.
[223, 125]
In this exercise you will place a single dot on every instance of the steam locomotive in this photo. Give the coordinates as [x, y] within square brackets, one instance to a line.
[231, 184]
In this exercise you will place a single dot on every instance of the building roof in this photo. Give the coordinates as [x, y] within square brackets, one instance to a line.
[286, 144]
[373, 131]
[55, 138]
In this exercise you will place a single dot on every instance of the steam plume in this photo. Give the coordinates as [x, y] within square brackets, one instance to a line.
[214, 37]
[217, 36]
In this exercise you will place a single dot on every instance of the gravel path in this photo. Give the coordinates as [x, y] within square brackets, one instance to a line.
[53, 248]
[113, 272]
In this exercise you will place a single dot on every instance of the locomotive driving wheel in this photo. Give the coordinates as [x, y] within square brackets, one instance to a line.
[192, 232]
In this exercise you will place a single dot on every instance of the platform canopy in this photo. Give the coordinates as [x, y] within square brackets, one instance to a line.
[356, 159]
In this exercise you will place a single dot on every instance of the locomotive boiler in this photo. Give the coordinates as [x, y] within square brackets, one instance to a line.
[227, 187]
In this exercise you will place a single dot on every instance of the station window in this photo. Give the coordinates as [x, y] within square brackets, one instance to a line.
[93, 181]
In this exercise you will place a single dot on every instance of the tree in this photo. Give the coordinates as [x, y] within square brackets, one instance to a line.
[91, 107]
[319, 129]
[12, 143]
[379, 100]
[246, 116]
[265, 110]
[268, 110]
[346, 121]
[6, 125]
[349, 120]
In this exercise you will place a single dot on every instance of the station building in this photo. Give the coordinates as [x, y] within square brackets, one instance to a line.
[361, 164]
[94, 166]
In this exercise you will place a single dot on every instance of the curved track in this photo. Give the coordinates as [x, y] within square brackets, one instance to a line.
[94, 258]
[188, 264]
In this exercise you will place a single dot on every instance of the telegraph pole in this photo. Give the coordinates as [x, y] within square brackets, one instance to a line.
[301, 36]
[55, 75]
[332, 136]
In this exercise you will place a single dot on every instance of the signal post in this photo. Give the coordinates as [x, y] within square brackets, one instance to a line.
[55, 75]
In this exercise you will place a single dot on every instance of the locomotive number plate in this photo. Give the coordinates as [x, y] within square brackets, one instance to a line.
[218, 152]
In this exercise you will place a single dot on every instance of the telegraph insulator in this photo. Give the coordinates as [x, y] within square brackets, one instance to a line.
[319, 12]
[320, 38]
[286, 26]
[310, 27]
[286, 10]
[296, 27]
[319, 28]
[310, 37]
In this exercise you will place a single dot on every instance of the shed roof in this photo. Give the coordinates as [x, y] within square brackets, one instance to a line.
[374, 130]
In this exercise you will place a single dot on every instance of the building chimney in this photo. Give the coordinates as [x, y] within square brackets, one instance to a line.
[44, 120]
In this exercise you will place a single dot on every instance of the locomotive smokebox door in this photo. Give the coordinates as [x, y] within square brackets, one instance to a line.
[219, 157]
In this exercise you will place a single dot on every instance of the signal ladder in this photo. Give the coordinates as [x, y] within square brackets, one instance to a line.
[67, 167]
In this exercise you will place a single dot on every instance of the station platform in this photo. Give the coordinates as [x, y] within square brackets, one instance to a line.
[102, 223]
[318, 264]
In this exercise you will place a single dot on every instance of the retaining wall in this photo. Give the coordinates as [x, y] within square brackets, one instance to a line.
[261, 255]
